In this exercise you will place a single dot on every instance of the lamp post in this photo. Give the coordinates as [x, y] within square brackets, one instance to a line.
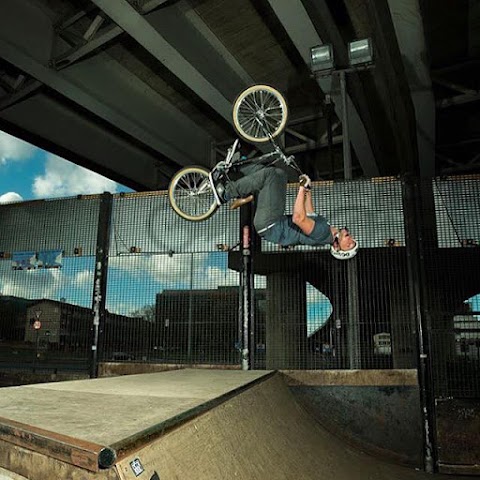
[360, 56]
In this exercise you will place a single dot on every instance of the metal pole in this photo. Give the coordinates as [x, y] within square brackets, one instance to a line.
[347, 159]
[416, 274]
[100, 278]
[189, 334]
[246, 306]
[36, 351]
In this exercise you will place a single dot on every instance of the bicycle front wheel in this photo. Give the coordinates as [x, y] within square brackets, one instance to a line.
[190, 194]
[260, 113]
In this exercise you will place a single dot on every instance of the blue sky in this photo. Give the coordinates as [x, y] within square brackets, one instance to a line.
[28, 173]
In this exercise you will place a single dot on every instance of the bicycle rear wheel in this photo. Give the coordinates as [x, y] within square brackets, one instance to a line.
[260, 113]
[190, 194]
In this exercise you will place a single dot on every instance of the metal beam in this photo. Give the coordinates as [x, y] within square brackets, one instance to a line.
[185, 31]
[78, 52]
[151, 5]
[120, 119]
[453, 86]
[93, 41]
[93, 28]
[184, 8]
[73, 19]
[17, 96]
[298, 25]
[408, 23]
[309, 146]
[123, 14]
[458, 100]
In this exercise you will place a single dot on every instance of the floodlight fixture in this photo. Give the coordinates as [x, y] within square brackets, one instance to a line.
[360, 52]
[321, 58]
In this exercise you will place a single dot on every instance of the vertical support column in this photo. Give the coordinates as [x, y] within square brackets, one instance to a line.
[414, 230]
[286, 323]
[100, 278]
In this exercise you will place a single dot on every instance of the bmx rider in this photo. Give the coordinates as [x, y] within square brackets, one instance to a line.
[268, 185]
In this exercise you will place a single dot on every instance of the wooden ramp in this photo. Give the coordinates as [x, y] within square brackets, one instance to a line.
[184, 424]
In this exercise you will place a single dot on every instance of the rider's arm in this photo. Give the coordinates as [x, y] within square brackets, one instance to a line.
[308, 202]
[299, 216]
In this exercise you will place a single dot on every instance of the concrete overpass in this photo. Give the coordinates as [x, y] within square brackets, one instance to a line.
[150, 83]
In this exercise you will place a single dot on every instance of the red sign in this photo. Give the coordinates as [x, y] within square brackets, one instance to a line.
[37, 324]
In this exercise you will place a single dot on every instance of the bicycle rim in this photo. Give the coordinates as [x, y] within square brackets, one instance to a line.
[191, 195]
[260, 113]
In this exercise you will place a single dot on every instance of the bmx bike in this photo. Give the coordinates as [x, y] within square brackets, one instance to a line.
[259, 115]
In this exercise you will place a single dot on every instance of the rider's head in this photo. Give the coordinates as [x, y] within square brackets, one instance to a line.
[344, 246]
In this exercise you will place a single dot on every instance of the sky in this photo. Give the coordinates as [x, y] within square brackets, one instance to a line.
[29, 173]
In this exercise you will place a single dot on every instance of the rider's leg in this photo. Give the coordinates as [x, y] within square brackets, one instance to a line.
[269, 185]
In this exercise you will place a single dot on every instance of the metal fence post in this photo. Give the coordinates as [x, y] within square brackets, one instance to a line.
[246, 304]
[414, 236]
[100, 278]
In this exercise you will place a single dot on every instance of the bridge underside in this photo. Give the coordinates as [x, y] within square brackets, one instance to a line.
[150, 83]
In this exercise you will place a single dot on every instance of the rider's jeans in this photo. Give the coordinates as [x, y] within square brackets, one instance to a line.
[269, 185]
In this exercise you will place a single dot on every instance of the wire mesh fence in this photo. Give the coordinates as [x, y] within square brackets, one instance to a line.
[172, 287]
[452, 296]
[47, 262]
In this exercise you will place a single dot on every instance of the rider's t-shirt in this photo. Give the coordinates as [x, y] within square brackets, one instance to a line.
[284, 232]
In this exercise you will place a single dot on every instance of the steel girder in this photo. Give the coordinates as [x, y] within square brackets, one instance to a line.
[139, 28]
[408, 23]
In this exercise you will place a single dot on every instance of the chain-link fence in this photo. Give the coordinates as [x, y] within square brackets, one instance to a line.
[171, 288]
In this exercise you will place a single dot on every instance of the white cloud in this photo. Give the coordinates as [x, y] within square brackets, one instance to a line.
[214, 276]
[10, 197]
[13, 149]
[83, 278]
[31, 283]
[172, 271]
[65, 179]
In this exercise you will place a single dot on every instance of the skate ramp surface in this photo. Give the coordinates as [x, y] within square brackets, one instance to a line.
[185, 424]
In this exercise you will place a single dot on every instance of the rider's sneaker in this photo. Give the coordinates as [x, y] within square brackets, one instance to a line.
[218, 181]
[239, 202]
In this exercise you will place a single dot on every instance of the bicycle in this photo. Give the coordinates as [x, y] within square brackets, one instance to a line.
[259, 115]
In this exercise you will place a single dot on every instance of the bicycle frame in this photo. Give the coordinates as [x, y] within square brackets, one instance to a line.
[230, 163]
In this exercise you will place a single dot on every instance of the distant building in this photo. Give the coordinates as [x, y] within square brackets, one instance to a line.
[13, 316]
[68, 326]
[203, 324]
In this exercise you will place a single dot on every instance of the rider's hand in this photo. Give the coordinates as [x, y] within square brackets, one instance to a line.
[305, 181]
